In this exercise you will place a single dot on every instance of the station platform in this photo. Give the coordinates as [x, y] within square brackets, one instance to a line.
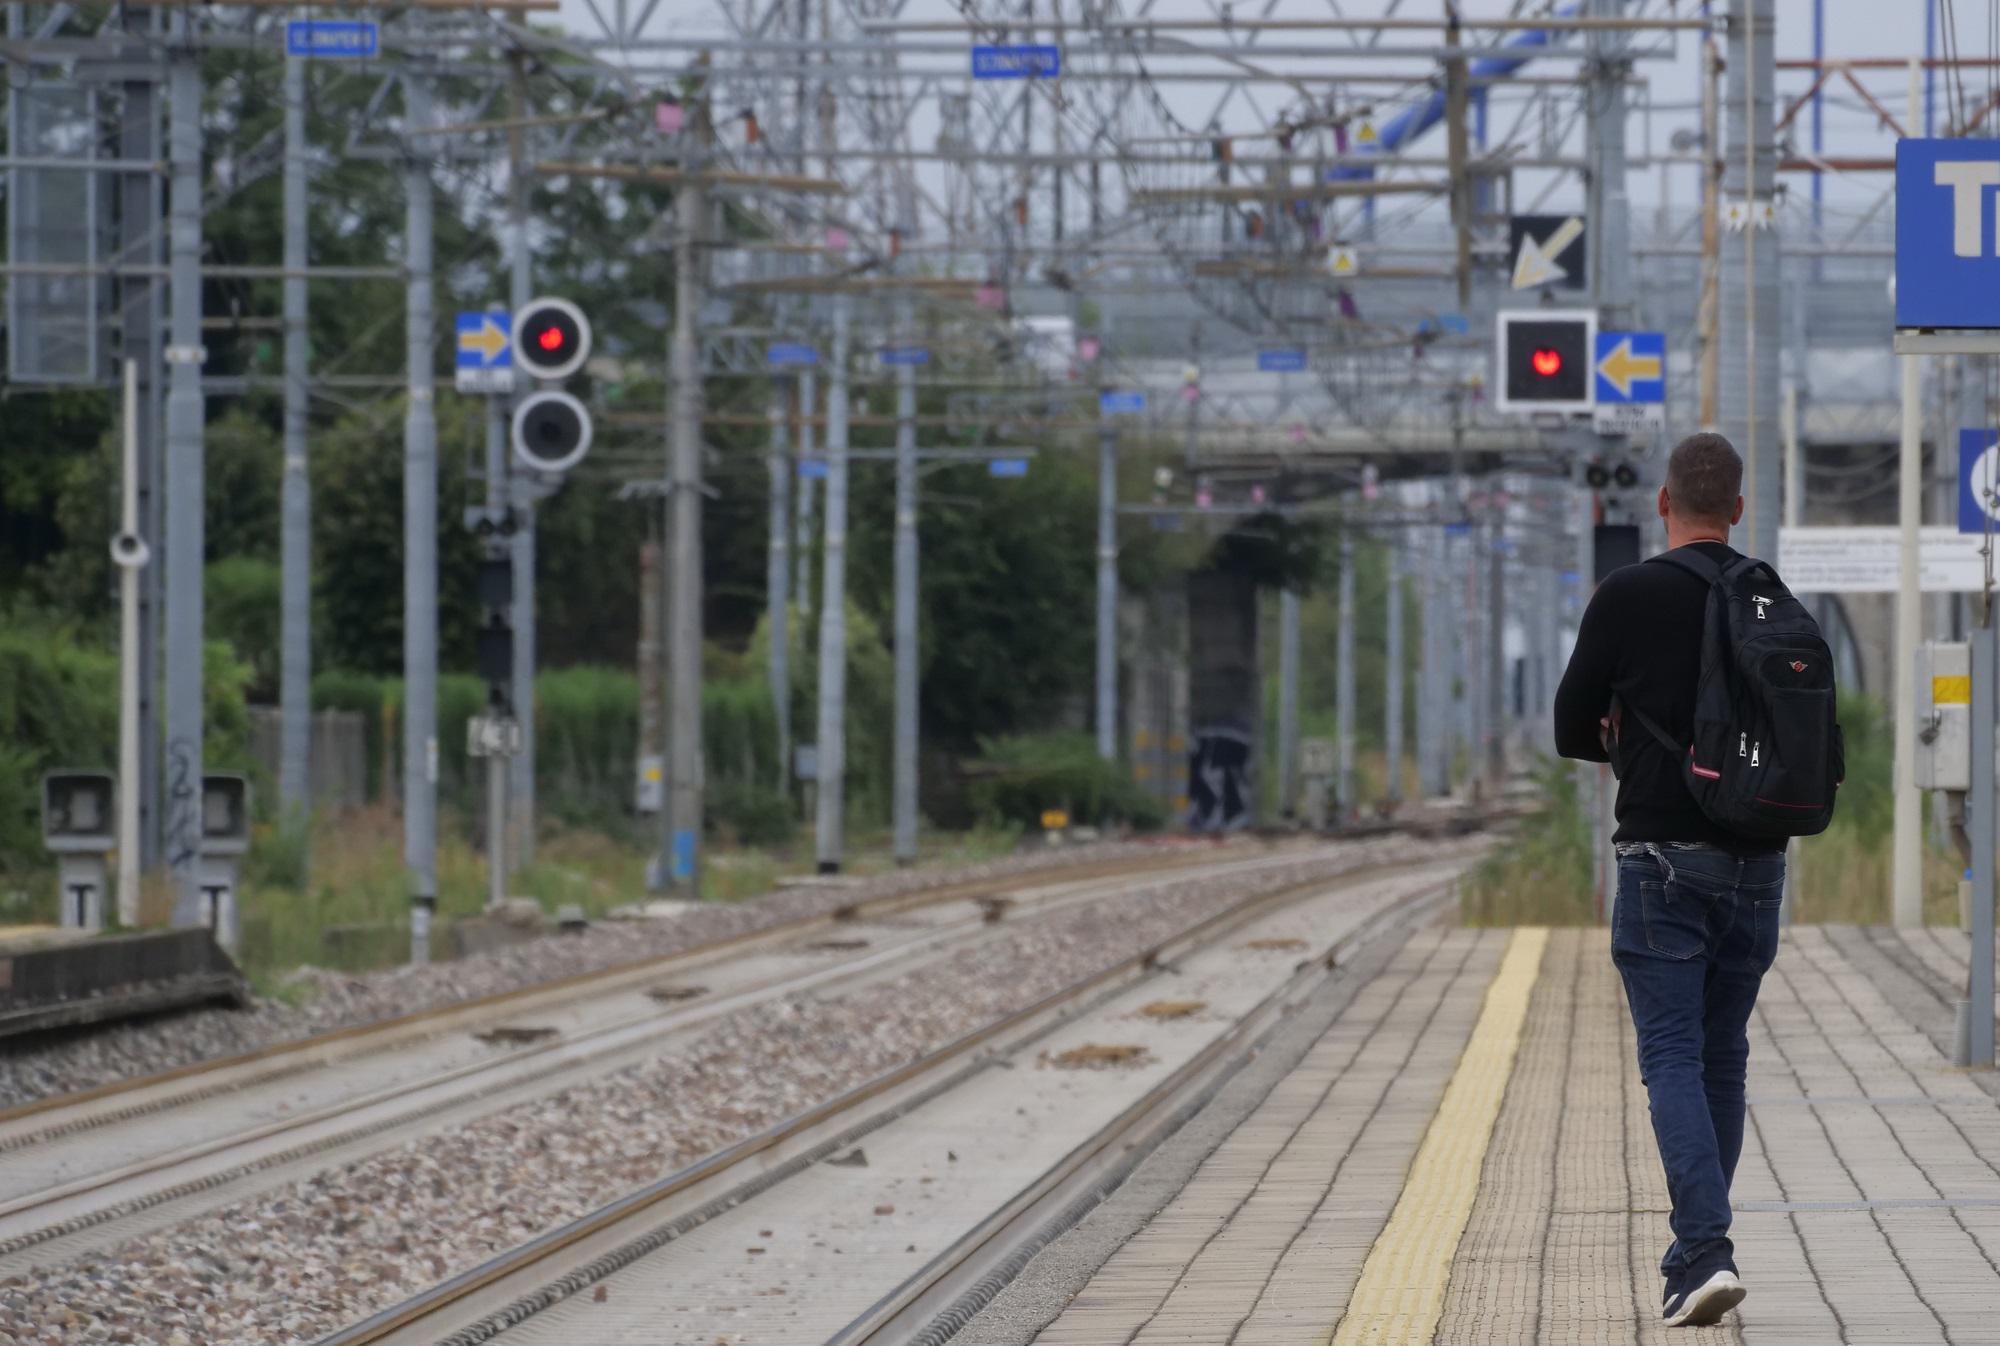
[1461, 1153]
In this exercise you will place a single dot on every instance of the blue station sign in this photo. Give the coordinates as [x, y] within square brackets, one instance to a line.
[1947, 233]
[905, 355]
[350, 38]
[1016, 61]
[1281, 361]
[1121, 404]
[1978, 481]
[1007, 467]
[790, 353]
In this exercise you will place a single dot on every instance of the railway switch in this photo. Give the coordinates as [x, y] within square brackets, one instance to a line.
[78, 827]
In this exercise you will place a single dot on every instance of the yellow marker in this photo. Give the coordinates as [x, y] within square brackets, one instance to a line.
[1951, 691]
[487, 339]
[1400, 1296]
[1621, 368]
[1054, 820]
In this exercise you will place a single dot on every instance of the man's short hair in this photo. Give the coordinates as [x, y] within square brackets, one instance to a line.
[1704, 477]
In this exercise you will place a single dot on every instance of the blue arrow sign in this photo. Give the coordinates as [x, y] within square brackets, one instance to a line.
[1978, 481]
[1016, 62]
[812, 467]
[905, 355]
[484, 340]
[790, 353]
[1007, 467]
[349, 38]
[1281, 361]
[1631, 368]
[1121, 404]
[1947, 255]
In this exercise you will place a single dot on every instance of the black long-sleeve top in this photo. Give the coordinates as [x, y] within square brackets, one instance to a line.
[1640, 642]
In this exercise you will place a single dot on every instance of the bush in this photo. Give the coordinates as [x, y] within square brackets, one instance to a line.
[1015, 779]
[59, 708]
[242, 602]
[1545, 875]
[750, 814]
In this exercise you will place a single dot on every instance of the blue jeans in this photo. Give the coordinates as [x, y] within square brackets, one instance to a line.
[1695, 930]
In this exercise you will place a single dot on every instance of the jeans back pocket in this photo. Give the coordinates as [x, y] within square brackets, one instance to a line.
[1676, 918]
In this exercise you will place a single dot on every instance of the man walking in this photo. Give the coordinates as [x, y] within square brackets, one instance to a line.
[1696, 924]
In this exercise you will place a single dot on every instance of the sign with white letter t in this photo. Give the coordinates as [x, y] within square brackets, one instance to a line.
[1947, 234]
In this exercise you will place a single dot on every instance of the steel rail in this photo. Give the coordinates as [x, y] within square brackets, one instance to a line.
[602, 1232]
[567, 1053]
[356, 1039]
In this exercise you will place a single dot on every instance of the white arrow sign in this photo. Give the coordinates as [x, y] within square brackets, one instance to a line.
[1536, 264]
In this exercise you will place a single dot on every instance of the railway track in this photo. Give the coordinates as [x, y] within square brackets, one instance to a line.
[124, 1159]
[575, 1261]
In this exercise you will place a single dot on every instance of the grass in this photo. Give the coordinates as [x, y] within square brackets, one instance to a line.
[1544, 875]
[353, 914]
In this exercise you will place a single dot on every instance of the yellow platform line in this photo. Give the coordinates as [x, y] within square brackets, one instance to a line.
[1400, 1295]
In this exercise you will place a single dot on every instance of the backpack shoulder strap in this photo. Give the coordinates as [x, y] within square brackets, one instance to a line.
[1709, 573]
[1693, 562]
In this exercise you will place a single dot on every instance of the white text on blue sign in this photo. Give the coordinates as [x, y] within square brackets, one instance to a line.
[790, 353]
[351, 38]
[1281, 362]
[1016, 62]
[905, 355]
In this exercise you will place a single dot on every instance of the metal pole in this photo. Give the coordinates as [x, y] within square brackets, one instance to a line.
[1976, 1035]
[1107, 585]
[140, 243]
[295, 639]
[420, 576]
[1751, 346]
[524, 488]
[778, 579]
[1392, 678]
[1496, 652]
[684, 571]
[802, 552]
[1288, 702]
[1343, 694]
[129, 552]
[831, 796]
[496, 763]
[1433, 676]
[905, 766]
[1906, 875]
[184, 540]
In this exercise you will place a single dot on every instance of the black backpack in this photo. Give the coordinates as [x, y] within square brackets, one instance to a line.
[1767, 755]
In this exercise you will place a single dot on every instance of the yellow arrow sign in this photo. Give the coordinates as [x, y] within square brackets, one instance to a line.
[1620, 367]
[487, 339]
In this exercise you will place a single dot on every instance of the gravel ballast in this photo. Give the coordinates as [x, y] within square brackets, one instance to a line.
[304, 1259]
[70, 1062]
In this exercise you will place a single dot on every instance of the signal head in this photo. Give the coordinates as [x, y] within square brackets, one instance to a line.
[551, 338]
[551, 431]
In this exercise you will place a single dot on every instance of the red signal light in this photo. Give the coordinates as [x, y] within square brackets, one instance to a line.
[1548, 363]
[551, 339]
